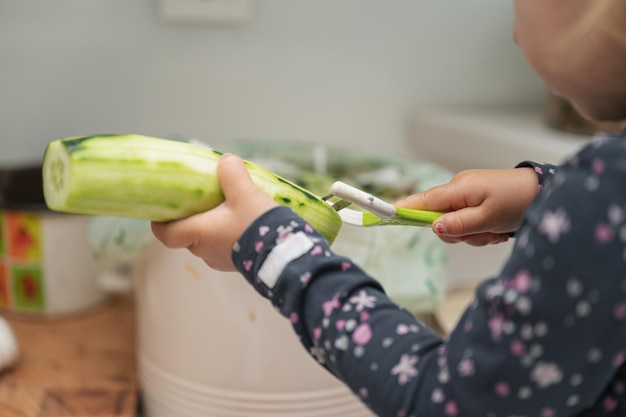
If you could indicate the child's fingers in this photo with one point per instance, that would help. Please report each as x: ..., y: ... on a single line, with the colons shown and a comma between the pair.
x: 179, y: 233
x: 467, y: 221
x: 483, y: 239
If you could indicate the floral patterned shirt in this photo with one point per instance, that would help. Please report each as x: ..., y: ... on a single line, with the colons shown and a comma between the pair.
x: 546, y: 337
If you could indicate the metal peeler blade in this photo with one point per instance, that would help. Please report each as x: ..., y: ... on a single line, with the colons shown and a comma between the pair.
x: 378, y: 211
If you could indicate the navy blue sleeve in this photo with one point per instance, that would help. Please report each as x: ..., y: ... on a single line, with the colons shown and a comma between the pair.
x: 545, y: 337
x: 544, y: 172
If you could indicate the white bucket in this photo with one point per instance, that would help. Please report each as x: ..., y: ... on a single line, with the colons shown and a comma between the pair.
x: 210, y: 346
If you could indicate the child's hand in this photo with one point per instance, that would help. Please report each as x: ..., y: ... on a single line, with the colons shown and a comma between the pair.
x: 212, y: 234
x: 484, y: 205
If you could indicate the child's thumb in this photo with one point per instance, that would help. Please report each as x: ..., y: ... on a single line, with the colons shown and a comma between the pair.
x: 234, y: 177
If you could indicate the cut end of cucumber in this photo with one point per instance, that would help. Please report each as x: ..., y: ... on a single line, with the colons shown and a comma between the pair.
x: 56, y: 176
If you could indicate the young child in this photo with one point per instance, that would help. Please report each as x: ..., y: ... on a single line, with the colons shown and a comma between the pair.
x: 546, y: 337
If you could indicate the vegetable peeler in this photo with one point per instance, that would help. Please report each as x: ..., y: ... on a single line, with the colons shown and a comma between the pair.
x: 379, y: 212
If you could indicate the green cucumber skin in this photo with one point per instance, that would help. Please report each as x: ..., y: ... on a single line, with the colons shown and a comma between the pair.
x: 161, y: 180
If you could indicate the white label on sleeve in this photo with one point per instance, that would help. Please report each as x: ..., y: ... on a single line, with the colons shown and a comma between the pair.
x: 292, y: 247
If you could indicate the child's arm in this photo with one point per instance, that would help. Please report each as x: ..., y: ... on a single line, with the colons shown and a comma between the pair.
x: 544, y: 338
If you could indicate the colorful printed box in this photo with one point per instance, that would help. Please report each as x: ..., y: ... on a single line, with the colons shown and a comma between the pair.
x: 21, y: 274
x: 23, y: 236
x: 27, y: 286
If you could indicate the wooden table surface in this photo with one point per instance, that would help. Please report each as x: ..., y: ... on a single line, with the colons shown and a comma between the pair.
x: 81, y: 366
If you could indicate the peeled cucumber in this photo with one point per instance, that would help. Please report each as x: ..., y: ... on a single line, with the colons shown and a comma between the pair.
x: 157, y: 179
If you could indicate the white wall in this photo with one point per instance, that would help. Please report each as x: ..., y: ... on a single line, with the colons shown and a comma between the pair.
x: 347, y: 72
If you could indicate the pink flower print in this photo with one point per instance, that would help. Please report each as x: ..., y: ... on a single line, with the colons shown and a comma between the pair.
x: 610, y: 403
x: 364, y: 316
x: 546, y: 374
x: 405, y: 369
x: 496, y: 325
x: 522, y: 281
x: 317, y: 333
x: 258, y: 246
x: 597, y: 166
x: 308, y: 228
x: 401, y: 413
x: 538, y: 170
x: 247, y: 265
x: 362, y: 334
x: 466, y: 367
x: 363, y: 393
x: 293, y: 317
x: 345, y: 265
x: 502, y: 389
x: 618, y: 360
x: 305, y: 279
x: 548, y: 412
x: 451, y: 409
x: 517, y: 348
x: 437, y: 396
x: 363, y: 300
x: 619, y: 311
x: 263, y: 230
x: 340, y: 325
x: 330, y: 305
x: 402, y: 329
x: 317, y: 249
x: 604, y: 233
x: 554, y: 224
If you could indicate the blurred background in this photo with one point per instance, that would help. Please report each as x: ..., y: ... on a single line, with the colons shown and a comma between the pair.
x: 436, y: 82
x: 350, y: 72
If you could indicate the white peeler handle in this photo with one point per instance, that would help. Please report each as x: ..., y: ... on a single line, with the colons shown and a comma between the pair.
x: 363, y: 199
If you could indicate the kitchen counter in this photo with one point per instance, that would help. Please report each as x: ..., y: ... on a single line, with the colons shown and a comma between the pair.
x: 80, y: 366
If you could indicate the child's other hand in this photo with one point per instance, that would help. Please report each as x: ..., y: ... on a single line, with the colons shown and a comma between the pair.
x: 212, y: 234
x: 482, y: 206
